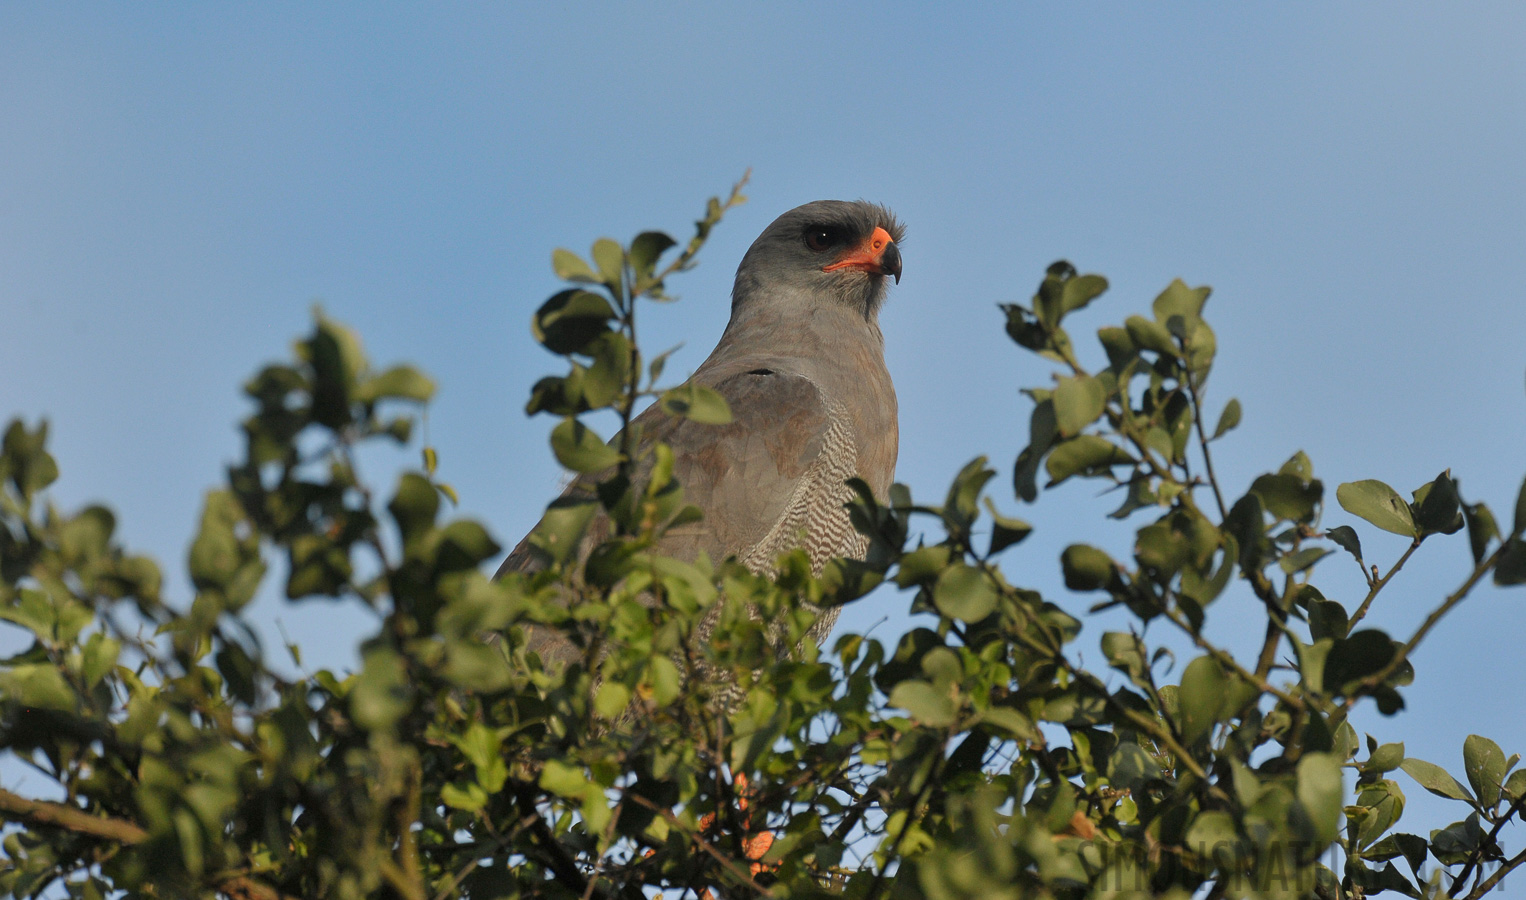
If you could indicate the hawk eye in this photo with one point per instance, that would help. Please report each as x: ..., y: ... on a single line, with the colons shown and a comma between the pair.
x: 819, y: 239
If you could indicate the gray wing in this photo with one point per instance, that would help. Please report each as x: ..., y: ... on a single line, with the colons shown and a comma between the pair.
x: 768, y: 482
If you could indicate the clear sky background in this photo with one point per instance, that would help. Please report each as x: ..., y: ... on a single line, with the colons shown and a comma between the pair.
x: 179, y: 184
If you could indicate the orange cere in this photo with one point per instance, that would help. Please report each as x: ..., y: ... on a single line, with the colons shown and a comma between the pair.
x: 866, y: 255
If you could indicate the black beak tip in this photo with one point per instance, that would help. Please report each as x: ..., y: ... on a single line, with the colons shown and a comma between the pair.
x: 891, y: 261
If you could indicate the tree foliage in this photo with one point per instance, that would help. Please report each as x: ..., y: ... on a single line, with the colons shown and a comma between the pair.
x: 977, y: 757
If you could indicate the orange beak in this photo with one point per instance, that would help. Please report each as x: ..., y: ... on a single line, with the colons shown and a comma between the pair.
x: 878, y: 254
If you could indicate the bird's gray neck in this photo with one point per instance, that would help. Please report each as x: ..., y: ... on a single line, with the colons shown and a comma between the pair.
x: 813, y: 335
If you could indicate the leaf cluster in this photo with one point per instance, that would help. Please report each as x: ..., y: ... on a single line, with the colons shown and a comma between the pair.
x: 974, y: 756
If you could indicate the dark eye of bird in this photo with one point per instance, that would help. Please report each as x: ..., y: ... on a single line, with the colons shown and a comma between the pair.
x: 819, y: 239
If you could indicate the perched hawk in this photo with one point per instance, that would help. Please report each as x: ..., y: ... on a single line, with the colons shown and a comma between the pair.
x: 802, y: 366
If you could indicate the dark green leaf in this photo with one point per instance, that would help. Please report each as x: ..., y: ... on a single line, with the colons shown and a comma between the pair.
x: 1356, y: 657
x: 570, y: 320
x: 1345, y: 536
x: 647, y: 247
x: 1327, y: 619
x: 1436, y: 506
x: 1086, y: 568
x: 1520, y: 512
x: 1005, y: 530
x: 1511, y: 568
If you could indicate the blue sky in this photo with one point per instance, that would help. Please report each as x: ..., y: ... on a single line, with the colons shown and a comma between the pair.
x: 179, y: 184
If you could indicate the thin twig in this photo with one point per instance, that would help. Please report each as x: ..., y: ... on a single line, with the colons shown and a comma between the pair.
x: 58, y: 815
x: 1377, y: 585
x: 1488, y: 884
x: 1379, y: 677
x: 1202, y: 436
x: 1491, y: 841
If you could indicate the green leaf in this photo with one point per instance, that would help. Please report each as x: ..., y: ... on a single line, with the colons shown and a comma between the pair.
x: 1081, y: 290
x: 99, y: 656
x: 1511, y: 567
x: 1179, y: 300
x: 1290, y: 497
x: 568, y: 266
x: 464, y: 544
x: 1201, y: 696
x: 1124, y: 652
x: 1087, y: 568
x: 609, y: 257
x: 1228, y: 419
x: 1084, y: 454
x: 925, y: 703
x: 1385, y: 759
x: 612, y: 699
x: 1484, y: 762
x: 1437, y: 506
x: 1327, y: 619
x: 1435, y: 779
x: 1297, y: 562
x: 467, y: 796
x: 1005, y: 530
x: 697, y: 403
x: 1520, y: 512
x: 1481, y: 529
x: 1355, y: 658
x: 1377, y: 503
x: 414, y: 506
x: 397, y: 383
x: 1011, y: 721
x: 1148, y: 335
x: 382, y: 694
x: 1214, y: 831
x: 645, y: 250
x: 1515, y: 785
x: 964, y: 593
x: 1345, y: 536
x: 664, y: 678
x: 578, y: 448
x: 1078, y: 402
x: 41, y: 686
x: 564, y: 780
x: 570, y: 320
x: 1320, y: 793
